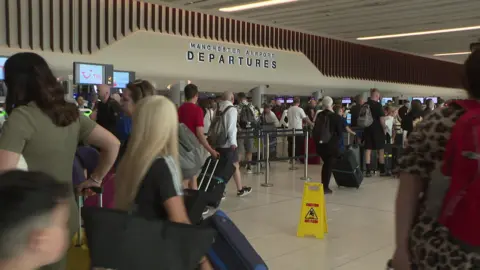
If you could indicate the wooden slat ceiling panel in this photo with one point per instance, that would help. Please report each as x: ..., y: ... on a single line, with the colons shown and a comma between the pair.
x: 349, y: 19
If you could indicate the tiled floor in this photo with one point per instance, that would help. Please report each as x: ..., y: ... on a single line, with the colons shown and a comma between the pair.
x: 361, y: 222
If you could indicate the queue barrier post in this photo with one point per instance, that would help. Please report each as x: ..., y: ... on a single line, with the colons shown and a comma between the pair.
x: 293, y: 168
x: 305, y: 167
x: 259, y: 151
x: 267, y: 164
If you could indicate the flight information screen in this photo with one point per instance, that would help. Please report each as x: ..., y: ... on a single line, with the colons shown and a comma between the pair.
x: 89, y: 73
x: 421, y: 99
x: 3, y: 59
x: 346, y: 100
x: 121, y: 79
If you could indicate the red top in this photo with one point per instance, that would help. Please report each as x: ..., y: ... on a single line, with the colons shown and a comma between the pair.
x: 191, y: 115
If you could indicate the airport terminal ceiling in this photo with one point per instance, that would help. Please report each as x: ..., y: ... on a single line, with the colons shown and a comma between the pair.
x: 351, y: 19
x: 212, y: 56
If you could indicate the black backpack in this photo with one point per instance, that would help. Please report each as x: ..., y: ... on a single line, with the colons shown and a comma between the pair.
x: 247, y: 117
x: 322, y: 132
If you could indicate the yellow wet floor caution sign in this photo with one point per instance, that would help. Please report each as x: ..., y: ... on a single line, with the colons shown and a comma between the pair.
x: 313, y: 217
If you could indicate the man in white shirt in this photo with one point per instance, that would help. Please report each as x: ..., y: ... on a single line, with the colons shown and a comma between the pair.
x: 296, y: 116
x: 229, y: 150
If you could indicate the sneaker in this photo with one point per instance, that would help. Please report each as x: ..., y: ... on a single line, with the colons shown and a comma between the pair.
x: 244, y: 191
x: 205, y: 211
x: 249, y: 169
x: 368, y: 174
x: 224, y: 196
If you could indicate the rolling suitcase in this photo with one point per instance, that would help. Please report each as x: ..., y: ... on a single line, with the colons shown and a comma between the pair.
x: 346, y: 170
x: 218, y: 176
x: 388, y: 155
x: 231, y: 249
x: 197, y: 200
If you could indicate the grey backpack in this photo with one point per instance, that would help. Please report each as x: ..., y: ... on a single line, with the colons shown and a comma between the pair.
x: 217, y: 134
x: 365, y: 118
x: 191, y: 152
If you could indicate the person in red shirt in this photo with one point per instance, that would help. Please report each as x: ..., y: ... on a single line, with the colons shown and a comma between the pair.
x: 191, y: 115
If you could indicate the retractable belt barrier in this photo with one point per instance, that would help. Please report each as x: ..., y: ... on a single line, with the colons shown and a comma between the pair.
x: 265, y: 137
x: 263, y: 154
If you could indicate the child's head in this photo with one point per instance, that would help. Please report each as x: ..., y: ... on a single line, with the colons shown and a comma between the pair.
x: 392, y: 110
x: 34, y: 214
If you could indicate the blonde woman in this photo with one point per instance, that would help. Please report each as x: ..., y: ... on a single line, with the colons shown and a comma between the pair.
x: 148, y: 177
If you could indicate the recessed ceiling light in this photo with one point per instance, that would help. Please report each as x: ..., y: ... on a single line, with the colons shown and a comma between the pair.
x: 449, y: 54
x: 255, y: 5
x: 422, y: 33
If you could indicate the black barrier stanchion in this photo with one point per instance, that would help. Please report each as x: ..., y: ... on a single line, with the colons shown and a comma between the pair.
x: 267, y: 163
x: 292, y: 167
x: 305, y: 167
x: 259, y: 151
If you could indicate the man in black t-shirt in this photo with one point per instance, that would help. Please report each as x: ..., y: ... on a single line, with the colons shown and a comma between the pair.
x: 402, y: 112
x: 374, y: 135
x: 108, y: 109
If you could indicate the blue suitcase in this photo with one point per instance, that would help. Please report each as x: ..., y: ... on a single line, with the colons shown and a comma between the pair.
x: 231, y: 250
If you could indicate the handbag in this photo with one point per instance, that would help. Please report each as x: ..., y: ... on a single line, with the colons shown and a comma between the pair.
x: 124, y: 241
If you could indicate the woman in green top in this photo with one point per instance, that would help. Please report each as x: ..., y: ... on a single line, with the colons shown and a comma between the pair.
x: 46, y: 129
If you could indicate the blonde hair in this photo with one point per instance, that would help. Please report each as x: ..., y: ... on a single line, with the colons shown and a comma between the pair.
x: 154, y: 134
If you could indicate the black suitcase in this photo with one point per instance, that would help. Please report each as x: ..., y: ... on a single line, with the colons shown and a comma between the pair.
x: 346, y: 170
x: 216, y: 178
x: 388, y: 155
x: 197, y: 200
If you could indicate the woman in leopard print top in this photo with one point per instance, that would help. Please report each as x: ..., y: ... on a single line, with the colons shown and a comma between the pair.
x: 421, y: 240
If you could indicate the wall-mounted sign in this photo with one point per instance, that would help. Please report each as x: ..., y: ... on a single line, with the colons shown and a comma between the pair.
x: 219, y: 54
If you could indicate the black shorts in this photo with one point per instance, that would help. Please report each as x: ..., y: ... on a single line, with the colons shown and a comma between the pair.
x: 231, y: 155
x: 374, y: 139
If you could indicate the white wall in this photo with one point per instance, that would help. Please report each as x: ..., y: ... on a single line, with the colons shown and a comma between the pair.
x: 162, y: 58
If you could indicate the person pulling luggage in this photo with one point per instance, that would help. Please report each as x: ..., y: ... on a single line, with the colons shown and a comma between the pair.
x: 327, y: 132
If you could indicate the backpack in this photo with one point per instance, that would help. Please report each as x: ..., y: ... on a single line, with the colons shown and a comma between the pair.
x: 191, y: 153
x: 247, y: 117
x: 217, y: 134
x: 365, y: 118
x: 460, y: 211
x: 322, y: 132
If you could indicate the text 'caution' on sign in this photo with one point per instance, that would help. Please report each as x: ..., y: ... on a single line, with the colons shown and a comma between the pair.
x: 313, y: 217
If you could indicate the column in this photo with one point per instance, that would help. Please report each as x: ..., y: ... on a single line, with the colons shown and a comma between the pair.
x: 317, y: 95
x: 176, y: 92
x: 257, y: 95
x: 68, y: 85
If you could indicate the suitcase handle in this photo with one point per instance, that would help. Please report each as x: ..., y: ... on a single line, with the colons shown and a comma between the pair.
x: 206, y: 171
x: 98, y: 190
x: 81, y: 198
